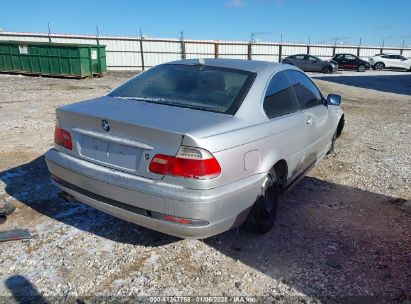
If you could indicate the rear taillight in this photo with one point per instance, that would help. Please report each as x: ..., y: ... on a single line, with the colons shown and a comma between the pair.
x: 63, y: 138
x: 189, y: 162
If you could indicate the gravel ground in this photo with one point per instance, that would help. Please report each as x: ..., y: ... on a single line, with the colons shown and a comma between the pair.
x: 343, y: 231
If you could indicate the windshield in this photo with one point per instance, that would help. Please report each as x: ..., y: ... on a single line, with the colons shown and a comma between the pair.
x: 192, y: 86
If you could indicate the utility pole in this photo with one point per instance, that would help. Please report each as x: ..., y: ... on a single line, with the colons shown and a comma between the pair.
x: 141, y: 50
x: 97, y: 36
x: 309, y: 43
x: 183, y: 46
x: 48, y: 25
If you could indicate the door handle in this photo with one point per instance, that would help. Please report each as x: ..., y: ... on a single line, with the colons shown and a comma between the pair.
x: 309, y: 121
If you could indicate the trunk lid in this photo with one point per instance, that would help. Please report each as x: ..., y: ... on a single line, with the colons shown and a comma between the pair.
x: 126, y: 134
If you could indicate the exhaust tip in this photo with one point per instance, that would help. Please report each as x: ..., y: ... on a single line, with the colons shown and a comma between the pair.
x: 67, y: 197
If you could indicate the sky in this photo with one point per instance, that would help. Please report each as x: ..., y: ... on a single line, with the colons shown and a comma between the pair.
x: 320, y: 21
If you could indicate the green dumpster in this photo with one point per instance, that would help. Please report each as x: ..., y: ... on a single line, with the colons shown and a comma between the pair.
x: 52, y: 59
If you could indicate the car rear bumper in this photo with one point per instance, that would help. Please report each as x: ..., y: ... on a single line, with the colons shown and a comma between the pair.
x: 145, y: 202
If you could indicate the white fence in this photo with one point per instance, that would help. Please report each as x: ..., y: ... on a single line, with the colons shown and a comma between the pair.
x: 133, y: 53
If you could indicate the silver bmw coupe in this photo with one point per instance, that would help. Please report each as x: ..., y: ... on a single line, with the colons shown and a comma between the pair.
x: 193, y: 148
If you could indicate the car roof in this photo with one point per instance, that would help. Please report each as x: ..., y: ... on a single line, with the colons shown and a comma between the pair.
x: 240, y: 64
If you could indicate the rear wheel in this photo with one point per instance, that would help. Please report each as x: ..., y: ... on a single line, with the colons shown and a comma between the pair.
x: 379, y: 66
x: 327, y: 69
x: 263, y: 213
x: 361, y: 68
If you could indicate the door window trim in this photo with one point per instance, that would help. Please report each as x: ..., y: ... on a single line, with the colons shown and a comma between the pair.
x: 292, y: 92
x: 324, y: 101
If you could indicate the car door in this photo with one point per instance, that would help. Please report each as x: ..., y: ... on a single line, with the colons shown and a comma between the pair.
x: 405, y: 63
x: 389, y: 61
x: 401, y: 62
x: 351, y: 62
x: 317, y: 118
x: 287, y: 124
x: 340, y: 59
x: 300, y: 62
x: 316, y: 65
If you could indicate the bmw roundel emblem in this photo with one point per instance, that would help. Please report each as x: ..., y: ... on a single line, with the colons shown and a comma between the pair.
x: 105, y: 125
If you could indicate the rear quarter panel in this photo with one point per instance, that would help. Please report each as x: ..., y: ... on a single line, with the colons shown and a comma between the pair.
x: 249, y: 151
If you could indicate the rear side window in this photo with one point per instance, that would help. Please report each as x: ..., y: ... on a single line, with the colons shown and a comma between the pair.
x: 279, y: 99
x: 307, y: 93
x: 199, y: 87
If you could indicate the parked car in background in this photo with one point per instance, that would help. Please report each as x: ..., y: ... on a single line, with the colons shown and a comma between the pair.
x: 193, y: 148
x: 310, y: 63
x: 395, y: 61
x: 351, y: 62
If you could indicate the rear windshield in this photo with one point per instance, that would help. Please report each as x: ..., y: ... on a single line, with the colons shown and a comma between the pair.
x: 192, y: 86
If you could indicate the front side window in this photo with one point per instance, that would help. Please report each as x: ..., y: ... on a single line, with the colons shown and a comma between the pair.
x: 279, y: 99
x: 350, y: 57
x: 312, y: 59
x: 307, y: 93
x: 398, y: 57
x: 199, y: 87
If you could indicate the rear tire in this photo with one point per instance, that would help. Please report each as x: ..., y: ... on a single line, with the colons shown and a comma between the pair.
x: 362, y: 68
x: 264, y: 211
x: 379, y: 66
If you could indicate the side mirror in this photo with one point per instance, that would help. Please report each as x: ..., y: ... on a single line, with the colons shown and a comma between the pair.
x: 333, y: 100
